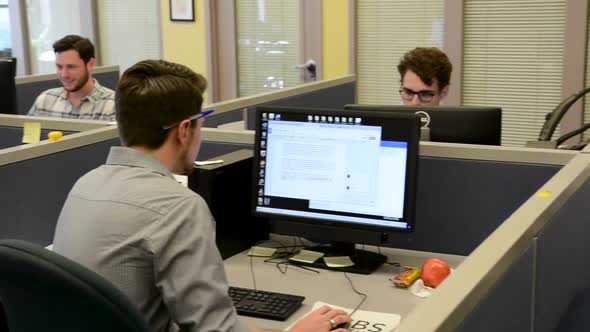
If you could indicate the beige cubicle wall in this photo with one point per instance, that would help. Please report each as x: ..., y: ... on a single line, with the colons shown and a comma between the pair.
x: 10, y: 120
x: 261, y: 98
x: 236, y: 113
x: 48, y: 77
x: 486, y: 270
x: 11, y: 128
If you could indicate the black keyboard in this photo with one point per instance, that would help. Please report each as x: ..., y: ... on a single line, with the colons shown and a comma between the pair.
x: 263, y: 304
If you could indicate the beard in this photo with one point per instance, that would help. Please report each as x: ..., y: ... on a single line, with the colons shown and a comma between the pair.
x: 82, y: 82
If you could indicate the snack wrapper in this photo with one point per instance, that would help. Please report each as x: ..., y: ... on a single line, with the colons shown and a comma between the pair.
x: 406, y: 278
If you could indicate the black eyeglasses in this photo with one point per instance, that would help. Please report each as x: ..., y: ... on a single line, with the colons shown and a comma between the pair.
x: 425, y: 96
x: 194, y: 117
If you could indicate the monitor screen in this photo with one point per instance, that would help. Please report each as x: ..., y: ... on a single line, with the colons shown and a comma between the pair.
x: 347, y: 170
x: 7, y: 86
x: 453, y: 124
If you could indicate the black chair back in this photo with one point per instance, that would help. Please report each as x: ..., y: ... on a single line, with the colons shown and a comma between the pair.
x: 44, y: 291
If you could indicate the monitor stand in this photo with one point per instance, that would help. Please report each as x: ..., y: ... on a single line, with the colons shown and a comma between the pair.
x: 365, y: 262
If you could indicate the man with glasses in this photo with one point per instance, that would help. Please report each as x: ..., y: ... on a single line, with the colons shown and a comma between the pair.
x: 131, y: 222
x: 425, y: 74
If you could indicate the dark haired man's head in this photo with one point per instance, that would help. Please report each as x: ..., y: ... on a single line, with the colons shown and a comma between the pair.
x: 79, y: 44
x: 74, y: 61
x: 425, y: 74
x: 153, y: 94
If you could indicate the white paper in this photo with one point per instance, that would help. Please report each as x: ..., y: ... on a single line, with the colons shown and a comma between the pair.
x: 338, y: 261
x: 261, y: 251
x: 364, y: 321
x: 420, y: 290
x: 208, y: 162
x: 182, y: 179
x: 307, y: 256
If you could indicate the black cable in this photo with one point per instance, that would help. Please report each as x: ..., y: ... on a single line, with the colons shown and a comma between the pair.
x: 279, y: 255
x: 572, y: 134
x: 363, y: 295
x: 555, y: 116
x: 252, y: 261
x: 252, y: 272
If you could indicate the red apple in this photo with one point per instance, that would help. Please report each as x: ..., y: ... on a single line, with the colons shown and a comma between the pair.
x: 434, y: 271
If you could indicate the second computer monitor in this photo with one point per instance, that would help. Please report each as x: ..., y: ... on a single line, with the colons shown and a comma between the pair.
x: 453, y: 124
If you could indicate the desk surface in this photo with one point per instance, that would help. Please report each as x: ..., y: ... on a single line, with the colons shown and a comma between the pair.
x: 332, y: 287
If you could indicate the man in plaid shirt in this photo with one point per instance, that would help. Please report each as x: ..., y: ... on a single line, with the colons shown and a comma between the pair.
x: 81, y: 96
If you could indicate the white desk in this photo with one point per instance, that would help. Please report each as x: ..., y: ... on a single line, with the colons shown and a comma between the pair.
x: 332, y: 287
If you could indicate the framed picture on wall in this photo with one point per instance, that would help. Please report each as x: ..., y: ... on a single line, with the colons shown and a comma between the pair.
x: 182, y: 10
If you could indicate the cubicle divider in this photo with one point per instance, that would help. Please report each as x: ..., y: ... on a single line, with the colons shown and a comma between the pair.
x: 464, y: 193
x: 36, y: 178
x: 40, y: 175
x: 333, y: 93
x: 29, y: 87
x: 522, y: 276
x: 12, y: 127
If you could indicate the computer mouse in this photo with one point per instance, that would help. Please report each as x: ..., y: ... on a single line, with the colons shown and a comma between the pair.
x: 342, y: 326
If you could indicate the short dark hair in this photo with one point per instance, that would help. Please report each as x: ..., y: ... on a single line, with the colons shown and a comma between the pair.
x: 428, y: 63
x: 82, y: 45
x: 152, y: 94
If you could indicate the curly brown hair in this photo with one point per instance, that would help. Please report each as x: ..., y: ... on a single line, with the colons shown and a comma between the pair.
x: 428, y: 63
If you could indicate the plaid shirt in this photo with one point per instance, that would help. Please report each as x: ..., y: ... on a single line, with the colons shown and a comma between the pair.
x: 99, y: 104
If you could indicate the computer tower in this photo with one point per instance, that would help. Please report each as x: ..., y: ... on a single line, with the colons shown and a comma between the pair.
x: 8, y: 103
x: 226, y: 187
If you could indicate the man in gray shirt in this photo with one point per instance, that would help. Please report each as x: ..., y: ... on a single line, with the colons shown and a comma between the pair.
x: 131, y: 222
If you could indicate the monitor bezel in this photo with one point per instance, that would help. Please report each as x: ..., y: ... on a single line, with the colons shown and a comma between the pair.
x: 411, y: 171
x: 460, y: 131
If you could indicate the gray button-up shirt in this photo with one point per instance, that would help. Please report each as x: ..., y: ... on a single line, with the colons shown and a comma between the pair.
x: 131, y: 222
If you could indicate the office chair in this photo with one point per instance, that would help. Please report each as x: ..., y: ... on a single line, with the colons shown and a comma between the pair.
x: 44, y: 291
x: 552, y: 120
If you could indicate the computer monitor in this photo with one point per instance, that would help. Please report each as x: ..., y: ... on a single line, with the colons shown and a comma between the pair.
x: 7, y: 86
x: 342, y: 177
x: 453, y: 124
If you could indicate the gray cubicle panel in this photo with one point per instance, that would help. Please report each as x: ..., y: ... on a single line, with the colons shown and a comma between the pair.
x: 522, y: 276
x: 461, y: 201
x: 29, y: 87
x: 11, y: 127
x: 36, y: 187
x: 217, y: 142
x: 36, y: 180
x: 334, y: 97
x: 333, y: 93
x: 464, y: 193
x: 563, y: 253
x: 211, y: 150
x: 12, y: 136
x: 509, y: 304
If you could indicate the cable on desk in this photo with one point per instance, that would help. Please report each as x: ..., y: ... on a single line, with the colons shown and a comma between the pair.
x: 363, y: 295
x: 252, y: 273
x: 280, y: 255
x: 252, y: 261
